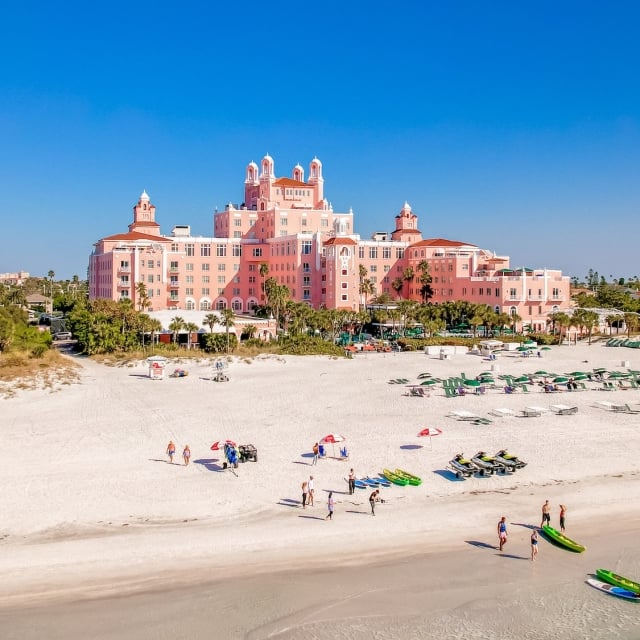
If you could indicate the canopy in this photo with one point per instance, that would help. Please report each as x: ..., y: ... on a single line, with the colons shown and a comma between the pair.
x: 332, y: 438
x: 219, y: 444
x: 471, y: 383
x: 430, y: 431
x: 522, y: 379
x: 561, y: 379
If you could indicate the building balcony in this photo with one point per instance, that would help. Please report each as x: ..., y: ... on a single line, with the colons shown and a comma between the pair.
x: 123, y: 284
x: 174, y: 270
x: 174, y: 284
x: 124, y: 269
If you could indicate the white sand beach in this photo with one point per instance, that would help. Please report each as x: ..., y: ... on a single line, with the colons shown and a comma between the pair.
x: 93, y: 510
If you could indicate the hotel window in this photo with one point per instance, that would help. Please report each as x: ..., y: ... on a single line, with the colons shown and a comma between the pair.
x: 386, y: 268
x: 236, y: 279
x: 205, y: 279
x: 252, y: 279
x: 252, y: 267
x: 306, y: 267
x: 361, y: 253
x: 513, y: 294
x: 374, y: 279
x: 256, y: 252
x: 151, y: 293
x: 306, y: 247
x: 190, y: 249
x: 373, y: 268
x: 158, y: 263
x: 205, y: 291
x: 306, y: 281
x: 344, y: 297
x: 304, y: 222
x: 236, y: 250
x: 220, y: 292
x: 465, y: 267
x: 385, y: 279
x: 205, y: 305
x: 344, y: 272
x: 283, y: 222
x: 205, y: 250
x: 237, y: 222
x: 205, y: 266
x: 497, y: 293
x: 399, y: 253
x: 450, y: 267
x: 386, y: 253
x: 221, y: 250
x: 150, y: 279
x: 344, y: 285
x: 222, y: 266
x: 149, y: 264
x: 174, y: 247
x: 481, y: 291
x: 252, y: 291
x: 189, y: 266
x: 236, y: 267
x: 157, y: 277
x: 373, y: 253
x: 157, y: 292
x: 306, y: 294
x: 324, y: 223
x: 555, y: 293
x: 188, y: 279
x: 221, y: 280
x: 189, y: 291
x: 237, y: 234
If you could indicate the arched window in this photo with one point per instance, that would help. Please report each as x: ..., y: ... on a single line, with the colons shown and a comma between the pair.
x: 513, y: 311
x: 221, y: 304
x: 236, y: 305
x: 190, y: 305
x: 205, y: 305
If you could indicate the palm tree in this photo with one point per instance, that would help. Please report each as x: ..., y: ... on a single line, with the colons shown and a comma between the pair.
x: 250, y: 331
x: 397, y: 285
x: 367, y: 288
x: 51, y: 275
x: 142, y: 296
x: 210, y: 320
x: 190, y: 328
x: 426, y: 291
x: 176, y: 326
x: 227, y: 321
x: 408, y: 275
x: 264, y: 272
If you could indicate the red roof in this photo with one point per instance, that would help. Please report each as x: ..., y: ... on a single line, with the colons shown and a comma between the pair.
x: 146, y: 223
x: 135, y: 235
x: 440, y: 242
x: 290, y: 182
x: 337, y: 240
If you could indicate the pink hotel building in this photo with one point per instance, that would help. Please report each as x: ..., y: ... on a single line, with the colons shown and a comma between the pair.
x: 288, y: 224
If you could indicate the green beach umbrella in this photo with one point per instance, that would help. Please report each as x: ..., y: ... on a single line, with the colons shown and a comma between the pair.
x: 428, y: 383
x: 541, y: 373
x: 545, y: 349
x: 561, y: 379
x: 522, y: 348
x: 471, y: 383
x: 522, y: 379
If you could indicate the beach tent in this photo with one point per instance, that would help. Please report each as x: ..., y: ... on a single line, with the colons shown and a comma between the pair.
x: 332, y: 439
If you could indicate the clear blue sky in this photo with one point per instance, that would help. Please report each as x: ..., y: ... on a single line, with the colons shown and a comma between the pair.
x: 514, y: 126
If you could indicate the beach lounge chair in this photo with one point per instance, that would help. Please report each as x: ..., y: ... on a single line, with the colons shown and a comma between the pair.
x: 417, y: 392
x: 610, y: 406
x: 464, y: 415
x: 450, y: 392
x: 563, y: 409
x: 482, y: 421
x: 502, y: 412
x: 533, y: 412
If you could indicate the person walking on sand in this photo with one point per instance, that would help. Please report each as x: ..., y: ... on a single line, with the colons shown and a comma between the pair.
x: 502, y: 532
x: 316, y: 450
x: 352, y: 482
x: 546, y: 514
x: 310, y: 488
x: 305, y: 489
x: 373, y: 498
x: 171, y: 451
x: 563, y: 513
x: 329, y: 515
x: 186, y: 455
x: 534, y: 545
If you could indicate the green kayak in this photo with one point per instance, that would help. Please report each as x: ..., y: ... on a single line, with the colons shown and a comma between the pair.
x: 413, y: 480
x: 617, y: 580
x: 395, y: 478
x: 561, y: 539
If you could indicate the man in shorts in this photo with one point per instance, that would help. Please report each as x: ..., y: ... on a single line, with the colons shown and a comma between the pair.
x: 546, y: 514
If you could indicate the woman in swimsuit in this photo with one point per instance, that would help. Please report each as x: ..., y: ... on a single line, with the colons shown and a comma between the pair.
x: 186, y: 454
x: 502, y: 531
x: 329, y: 515
x: 534, y: 545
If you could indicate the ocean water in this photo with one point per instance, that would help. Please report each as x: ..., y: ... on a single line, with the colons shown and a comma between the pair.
x: 471, y: 592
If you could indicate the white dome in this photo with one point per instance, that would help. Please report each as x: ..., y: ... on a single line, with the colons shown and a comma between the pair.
x: 144, y: 195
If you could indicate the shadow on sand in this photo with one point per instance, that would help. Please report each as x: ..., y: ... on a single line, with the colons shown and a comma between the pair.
x: 510, y: 556
x: 209, y: 464
x: 448, y: 475
x: 410, y: 447
x: 310, y: 517
x: 526, y: 526
x: 289, y: 502
x: 481, y: 545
